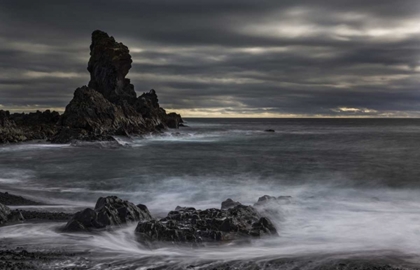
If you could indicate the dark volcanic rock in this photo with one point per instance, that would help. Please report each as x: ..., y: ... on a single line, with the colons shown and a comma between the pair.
x: 89, y: 116
x: 10, y: 199
x: 211, y: 225
x: 20, y: 127
x: 109, y: 211
x: 229, y: 203
x: 173, y: 120
x: 109, y: 105
x: 108, y: 65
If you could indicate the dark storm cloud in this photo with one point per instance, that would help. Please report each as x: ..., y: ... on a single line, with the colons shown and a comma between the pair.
x: 306, y: 58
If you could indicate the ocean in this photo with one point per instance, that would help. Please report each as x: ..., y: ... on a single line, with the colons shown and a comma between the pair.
x: 354, y: 183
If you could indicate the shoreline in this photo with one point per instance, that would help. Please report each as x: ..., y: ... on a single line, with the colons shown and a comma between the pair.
x: 15, y: 255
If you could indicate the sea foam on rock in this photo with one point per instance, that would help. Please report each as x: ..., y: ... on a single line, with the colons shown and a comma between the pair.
x: 108, y: 211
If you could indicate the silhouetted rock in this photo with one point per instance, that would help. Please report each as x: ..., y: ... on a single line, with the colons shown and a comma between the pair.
x: 173, y: 120
x: 211, y: 225
x: 109, y: 105
x: 108, y: 65
x: 109, y: 211
x: 269, y: 130
x: 229, y: 203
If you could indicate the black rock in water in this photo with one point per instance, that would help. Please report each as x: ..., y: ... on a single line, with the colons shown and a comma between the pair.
x: 269, y: 130
x: 212, y: 225
x: 109, y: 211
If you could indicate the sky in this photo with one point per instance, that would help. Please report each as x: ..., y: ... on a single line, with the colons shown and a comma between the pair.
x: 219, y: 58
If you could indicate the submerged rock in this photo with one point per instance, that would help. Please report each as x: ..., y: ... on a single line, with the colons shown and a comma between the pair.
x: 109, y: 211
x: 211, y: 225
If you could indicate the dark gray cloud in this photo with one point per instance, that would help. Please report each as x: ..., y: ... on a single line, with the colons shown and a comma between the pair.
x: 231, y: 58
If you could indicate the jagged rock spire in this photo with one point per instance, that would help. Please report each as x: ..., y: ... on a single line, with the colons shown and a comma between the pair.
x: 108, y: 65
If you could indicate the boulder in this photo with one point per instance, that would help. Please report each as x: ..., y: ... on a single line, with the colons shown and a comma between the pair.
x: 188, y: 225
x: 109, y: 211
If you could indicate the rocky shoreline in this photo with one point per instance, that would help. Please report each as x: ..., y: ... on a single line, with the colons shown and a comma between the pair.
x: 107, y: 106
x: 184, y: 225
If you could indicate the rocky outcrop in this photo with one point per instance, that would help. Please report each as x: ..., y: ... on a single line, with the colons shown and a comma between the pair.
x: 109, y: 105
x: 21, y: 127
x: 211, y: 225
x: 109, y: 211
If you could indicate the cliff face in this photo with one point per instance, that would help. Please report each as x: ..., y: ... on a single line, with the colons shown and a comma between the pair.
x: 107, y: 106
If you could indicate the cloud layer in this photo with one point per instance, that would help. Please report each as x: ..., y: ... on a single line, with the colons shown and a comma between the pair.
x: 223, y: 58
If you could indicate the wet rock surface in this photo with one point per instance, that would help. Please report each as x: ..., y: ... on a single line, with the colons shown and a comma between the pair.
x: 186, y: 224
x: 109, y: 211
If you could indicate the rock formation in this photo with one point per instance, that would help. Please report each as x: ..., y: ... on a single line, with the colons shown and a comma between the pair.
x: 20, y: 127
x: 109, y: 211
x: 107, y: 106
x: 211, y: 225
